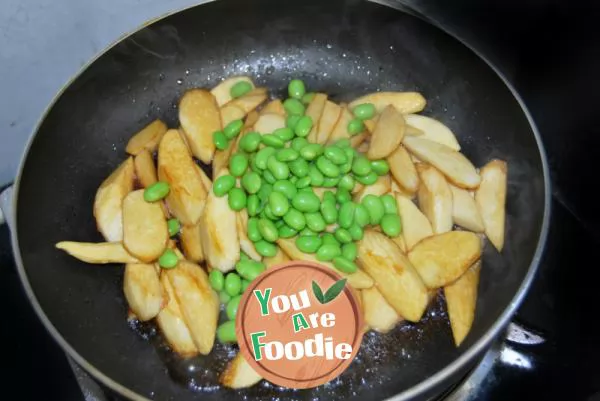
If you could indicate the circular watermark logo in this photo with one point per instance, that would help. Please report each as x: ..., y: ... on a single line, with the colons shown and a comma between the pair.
x: 299, y: 325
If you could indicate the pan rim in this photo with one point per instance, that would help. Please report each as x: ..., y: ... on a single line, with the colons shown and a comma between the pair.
x: 422, y: 387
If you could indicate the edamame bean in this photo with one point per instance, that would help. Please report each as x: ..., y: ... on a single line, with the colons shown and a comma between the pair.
x: 342, y: 235
x: 240, y: 89
x: 380, y: 167
x: 293, y: 106
x: 328, y: 251
x: 285, y: 134
x: 264, y: 191
x: 346, y: 215
x: 299, y: 168
x: 356, y: 232
x: 343, y: 143
x: 303, y: 126
x: 278, y: 203
x: 344, y: 265
x: 303, y: 182
x: 253, y: 205
x: 328, y: 196
x: 238, y: 164
x: 335, y: 155
x: 251, y: 269
x: 226, y: 332
x: 224, y: 297
x: 263, y: 156
x: 157, y: 191
x: 291, y: 121
x: 295, y: 219
x: 245, y: 284
x: 298, y: 143
x: 286, y: 231
x: 287, y: 155
x: 308, y: 243
x: 269, y: 177
x: 311, y: 151
x: 286, y: 188
x: 349, y: 152
x: 364, y: 111
x: 220, y: 140
x: 375, y: 208
x: 308, y: 97
x: 253, y: 232
x: 368, y: 179
x: 355, y: 126
x: 316, y: 177
x: 232, y: 129
x: 361, y: 166
x: 329, y: 239
x: 306, y: 202
x: 315, y: 222
x: 268, y: 230
x: 330, y: 182
x: 346, y: 182
x: 329, y: 212
x: 173, y: 226
x: 391, y: 224
x: 268, y: 213
x: 265, y: 249
x: 280, y: 170
x: 296, y: 89
x: 327, y: 167
x: 223, y: 185
x: 216, y: 280
x: 307, y: 231
x: 349, y: 251
x: 273, y: 141
x: 361, y: 215
x: 237, y: 199
x: 346, y: 167
x: 389, y: 204
x: 251, y: 182
x: 233, y: 284
x: 232, y: 307
x: 251, y: 141
x: 343, y: 196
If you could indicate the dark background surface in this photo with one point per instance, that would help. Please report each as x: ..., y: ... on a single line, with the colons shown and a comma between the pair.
x: 550, y: 51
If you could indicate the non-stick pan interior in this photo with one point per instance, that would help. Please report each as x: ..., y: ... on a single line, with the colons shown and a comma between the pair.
x: 342, y: 48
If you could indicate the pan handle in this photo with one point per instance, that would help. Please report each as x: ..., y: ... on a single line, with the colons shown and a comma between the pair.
x: 6, y: 207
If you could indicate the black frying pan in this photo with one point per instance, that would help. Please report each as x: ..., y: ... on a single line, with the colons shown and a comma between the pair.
x: 344, y: 48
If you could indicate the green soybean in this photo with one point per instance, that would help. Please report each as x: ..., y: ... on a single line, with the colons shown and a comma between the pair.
x: 344, y: 265
x: 251, y: 182
x: 249, y: 269
x: 346, y: 215
x: 311, y: 151
x: 253, y: 205
x: 280, y: 170
x: 327, y: 167
x: 346, y: 182
x: 330, y: 182
x: 296, y: 89
x: 268, y: 213
x: 389, y: 204
x: 251, y: 141
x: 278, y: 203
x: 285, y: 134
x: 343, y: 143
x: 335, y: 155
x: 232, y: 307
x: 224, y: 297
x: 240, y: 89
x: 245, y: 284
x: 264, y: 191
x: 299, y: 168
x: 286, y: 231
x: 361, y: 215
x: 349, y: 251
x: 356, y: 232
x: 303, y: 182
x: 374, y: 206
x: 342, y: 235
x: 265, y: 249
x: 329, y: 239
x: 272, y: 140
x: 253, y: 232
x: 238, y: 164
x: 286, y: 188
x: 233, y: 284
x: 361, y: 166
x: 315, y: 221
x: 328, y: 251
x: 232, y: 129
x: 368, y: 179
x: 173, y: 226
x: 346, y: 167
x: 291, y: 121
x: 329, y: 212
x: 391, y: 224
x: 263, y: 156
x: 308, y: 97
x: 328, y: 196
x: 380, y: 167
x: 220, y: 140
x: 293, y: 106
x: 298, y: 143
x: 226, y: 332
x: 237, y: 199
x: 295, y: 219
x: 364, y: 111
x: 268, y: 230
x: 269, y: 177
x: 316, y: 177
x: 216, y: 280
x: 306, y: 202
x: 223, y: 185
x: 287, y: 155
x: 157, y: 191
x: 355, y: 126
x: 308, y: 243
x: 303, y: 126
x: 343, y: 196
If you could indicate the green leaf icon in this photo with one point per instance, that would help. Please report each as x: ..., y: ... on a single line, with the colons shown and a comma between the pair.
x: 331, y: 293
x: 318, y: 292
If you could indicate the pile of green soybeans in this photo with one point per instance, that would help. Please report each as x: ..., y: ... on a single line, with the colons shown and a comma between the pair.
x: 277, y: 173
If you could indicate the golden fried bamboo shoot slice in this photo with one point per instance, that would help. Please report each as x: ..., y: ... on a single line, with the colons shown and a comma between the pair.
x: 199, y: 303
x: 394, y: 275
x: 250, y: 101
x: 382, y: 186
x: 340, y: 130
x: 435, y: 198
x: 314, y: 111
x: 239, y: 374
x: 145, y: 170
x: 246, y: 245
x: 330, y: 116
x: 280, y: 257
x: 172, y: 325
x: 143, y: 291
x: 433, y: 130
x: 269, y: 122
x: 443, y: 258
x: 145, y: 232
x: 398, y: 189
x: 403, y: 169
x: 191, y: 243
x: 206, y: 182
x: 410, y: 130
x: 357, y: 280
x: 231, y: 112
x: 415, y: 225
x: 491, y: 201
x: 378, y: 313
x: 399, y: 240
x: 454, y: 165
x: 274, y: 107
x: 464, y: 210
x: 388, y: 134
x: 200, y: 117
x: 108, y: 204
x: 97, y: 253
x: 176, y: 167
x: 404, y: 102
x: 147, y: 138
x: 222, y: 92
x: 461, y: 298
